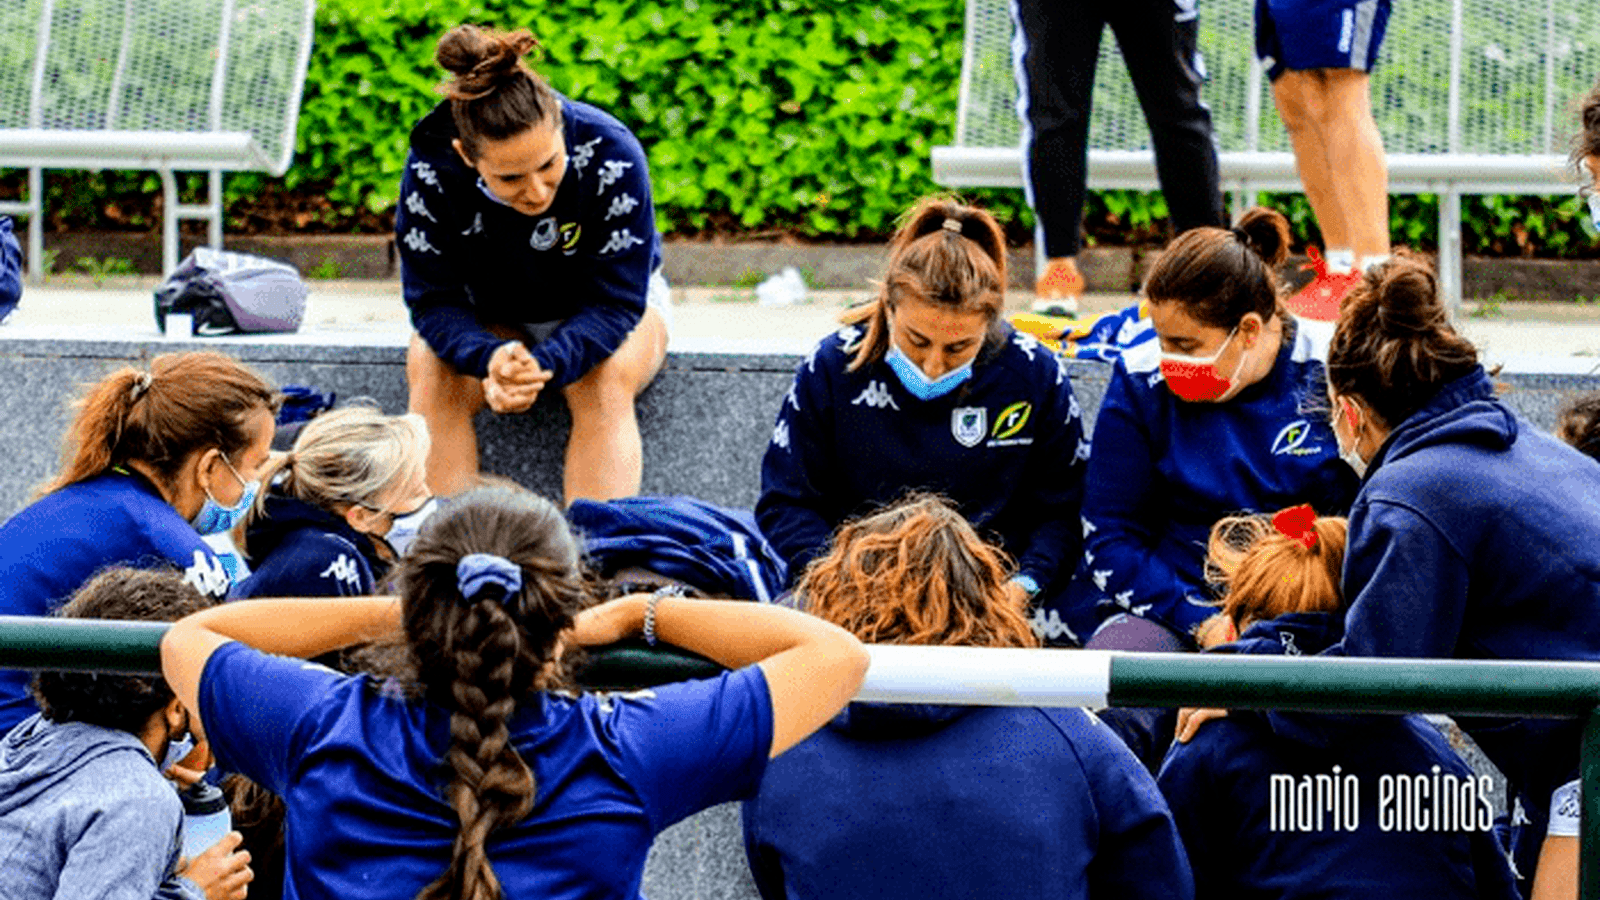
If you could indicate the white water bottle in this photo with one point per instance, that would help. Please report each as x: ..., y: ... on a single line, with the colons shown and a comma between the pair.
x: 206, y: 819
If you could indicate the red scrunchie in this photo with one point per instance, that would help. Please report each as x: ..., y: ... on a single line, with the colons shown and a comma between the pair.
x: 1298, y: 523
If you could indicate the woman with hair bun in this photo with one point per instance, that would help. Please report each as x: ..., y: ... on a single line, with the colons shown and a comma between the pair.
x: 472, y: 777
x: 927, y: 388
x: 1471, y: 535
x: 340, y: 507
x: 1243, y: 832
x: 153, y: 460
x: 926, y: 802
x: 530, y: 263
x: 1209, y: 420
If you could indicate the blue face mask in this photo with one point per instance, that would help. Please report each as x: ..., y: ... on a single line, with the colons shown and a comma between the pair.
x: 403, y: 533
x: 214, y: 518
x: 919, y: 384
x: 1594, y: 207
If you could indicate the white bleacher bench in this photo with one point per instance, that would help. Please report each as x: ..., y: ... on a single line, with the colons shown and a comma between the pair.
x: 169, y: 85
x: 1472, y: 97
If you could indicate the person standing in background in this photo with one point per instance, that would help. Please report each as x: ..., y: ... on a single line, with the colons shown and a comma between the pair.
x: 1055, y: 49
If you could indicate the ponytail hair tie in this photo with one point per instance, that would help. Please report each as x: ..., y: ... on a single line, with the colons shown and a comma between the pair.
x: 1298, y: 523
x: 477, y: 571
x: 952, y: 225
x: 140, y: 385
x: 1240, y: 235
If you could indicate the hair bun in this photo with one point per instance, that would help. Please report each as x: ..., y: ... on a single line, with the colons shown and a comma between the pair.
x: 1407, y: 298
x: 481, y: 59
x: 1265, y: 232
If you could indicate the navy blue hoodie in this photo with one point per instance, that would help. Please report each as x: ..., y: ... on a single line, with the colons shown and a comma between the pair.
x: 467, y: 260
x: 1220, y: 786
x: 301, y: 550
x: 891, y: 801
x: 1473, y: 537
x: 1165, y: 470
x: 1007, y: 447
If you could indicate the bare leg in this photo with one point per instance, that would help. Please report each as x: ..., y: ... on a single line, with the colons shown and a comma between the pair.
x: 1328, y: 113
x: 605, y: 456
x: 447, y: 400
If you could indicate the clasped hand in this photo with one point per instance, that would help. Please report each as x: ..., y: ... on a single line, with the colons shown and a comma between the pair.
x: 515, y: 378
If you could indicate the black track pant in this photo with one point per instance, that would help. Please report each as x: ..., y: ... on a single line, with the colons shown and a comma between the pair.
x: 1060, y: 46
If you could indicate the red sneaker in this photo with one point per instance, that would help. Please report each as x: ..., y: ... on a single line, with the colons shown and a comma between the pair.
x: 1320, y: 299
x: 1056, y: 291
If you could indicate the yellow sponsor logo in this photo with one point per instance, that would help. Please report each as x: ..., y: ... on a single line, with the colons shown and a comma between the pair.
x: 1012, y: 420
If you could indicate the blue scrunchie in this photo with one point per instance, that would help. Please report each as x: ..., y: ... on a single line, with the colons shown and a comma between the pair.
x: 476, y: 571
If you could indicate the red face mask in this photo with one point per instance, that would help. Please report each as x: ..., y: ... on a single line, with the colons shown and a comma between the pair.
x: 1195, y: 378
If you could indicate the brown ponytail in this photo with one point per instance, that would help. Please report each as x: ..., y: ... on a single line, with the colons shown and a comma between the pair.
x: 960, y: 266
x: 493, y: 94
x: 478, y: 656
x: 1394, y: 347
x: 1220, y: 274
x: 186, y: 402
x: 1269, y: 574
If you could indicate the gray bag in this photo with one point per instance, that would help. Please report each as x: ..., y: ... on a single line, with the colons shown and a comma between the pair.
x: 232, y: 293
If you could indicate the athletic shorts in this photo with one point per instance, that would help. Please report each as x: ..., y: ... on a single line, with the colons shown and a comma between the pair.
x: 657, y: 296
x: 1296, y: 35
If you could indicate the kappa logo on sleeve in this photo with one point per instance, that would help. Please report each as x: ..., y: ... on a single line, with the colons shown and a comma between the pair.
x: 344, y: 569
x: 207, y: 575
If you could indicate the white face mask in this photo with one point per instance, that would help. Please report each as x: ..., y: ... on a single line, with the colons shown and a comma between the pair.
x: 1352, y: 456
x: 1594, y: 207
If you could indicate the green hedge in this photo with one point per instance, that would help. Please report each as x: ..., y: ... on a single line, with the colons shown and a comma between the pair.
x: 804, y: 116
x: 808, y: 117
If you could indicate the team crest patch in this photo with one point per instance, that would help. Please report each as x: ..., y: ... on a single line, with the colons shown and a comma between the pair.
x: 968, y: 424
x: 545, y: 234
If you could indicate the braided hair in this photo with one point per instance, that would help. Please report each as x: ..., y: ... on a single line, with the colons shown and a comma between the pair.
x: 488, y: 587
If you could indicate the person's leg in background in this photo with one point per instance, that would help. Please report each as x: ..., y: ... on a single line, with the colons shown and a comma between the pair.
x: 1319, y: 54
x: 1055, y: 49
x: 1159, y: 43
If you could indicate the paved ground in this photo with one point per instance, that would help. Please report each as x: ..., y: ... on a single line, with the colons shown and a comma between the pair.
x: 1527, y: 337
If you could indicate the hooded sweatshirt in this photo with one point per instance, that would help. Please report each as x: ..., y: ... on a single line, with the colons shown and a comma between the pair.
x: 301, y: 550
x: 467, y: 259
x: 1227, y: 783
x: 1164, y: 470
x: 925, y: 802
x: 55, y: 544
x: 85, y: 814
x: 1473, y: 537
x: 1007, y: 447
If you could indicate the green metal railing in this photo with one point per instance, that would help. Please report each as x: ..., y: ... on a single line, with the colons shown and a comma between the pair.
x: 1038, y: 678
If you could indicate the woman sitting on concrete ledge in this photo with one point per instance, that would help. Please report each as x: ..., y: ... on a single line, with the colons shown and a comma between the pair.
x: 530, y: 263
x: 927, y: 388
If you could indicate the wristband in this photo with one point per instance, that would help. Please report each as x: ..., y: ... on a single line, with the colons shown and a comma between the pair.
x: 666, y: 590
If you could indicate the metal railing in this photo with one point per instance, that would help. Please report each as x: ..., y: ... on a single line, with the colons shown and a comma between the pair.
x: 987, y: 677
